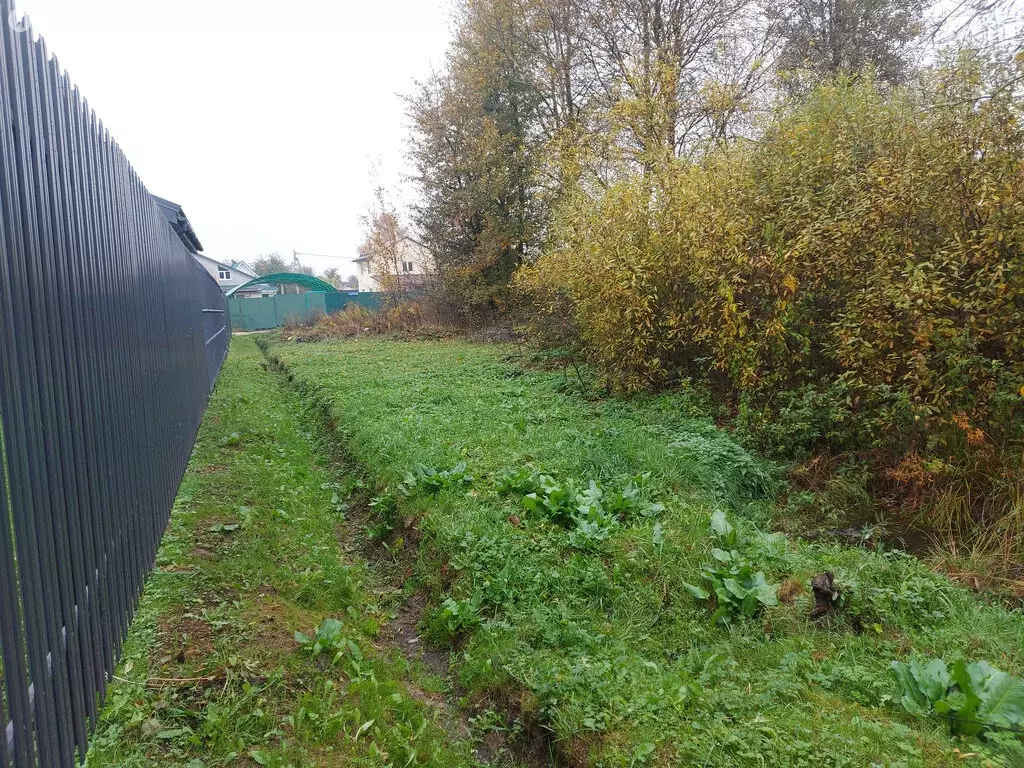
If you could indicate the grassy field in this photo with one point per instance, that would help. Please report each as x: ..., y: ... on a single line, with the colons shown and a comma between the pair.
x: 565, y: 545
x: 212, y: 674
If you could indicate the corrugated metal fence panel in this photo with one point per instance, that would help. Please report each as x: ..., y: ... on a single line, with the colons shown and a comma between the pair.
x: 371, y: 301
x: 253, y: 314
x: 111, y: 337
x: 300, y: 308
x: 275, y: 311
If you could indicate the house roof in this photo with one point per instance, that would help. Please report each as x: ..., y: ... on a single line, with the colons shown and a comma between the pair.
x: 241, y: 266
x: 179, y: 222
x: 214, y: 261
x: 237, y: 266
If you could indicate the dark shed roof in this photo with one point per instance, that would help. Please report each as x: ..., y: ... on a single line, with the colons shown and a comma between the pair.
x: 180, y: 223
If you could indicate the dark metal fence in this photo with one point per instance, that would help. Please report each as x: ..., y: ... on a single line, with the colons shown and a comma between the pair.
x: 111, y: 337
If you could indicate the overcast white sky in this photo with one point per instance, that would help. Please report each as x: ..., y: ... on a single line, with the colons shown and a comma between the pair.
x: 263, y: 119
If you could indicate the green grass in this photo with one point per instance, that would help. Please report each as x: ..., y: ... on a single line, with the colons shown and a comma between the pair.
x: 212, y: 675
x: 600, y: 637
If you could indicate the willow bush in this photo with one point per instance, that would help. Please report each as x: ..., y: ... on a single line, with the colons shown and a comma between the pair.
x: 859, y: 262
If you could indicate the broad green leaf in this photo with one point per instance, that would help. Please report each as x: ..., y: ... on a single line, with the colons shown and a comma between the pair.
x: 980, y: 673
x: 532, y: 502
x: 720, y: 524
x: 969, y: 686
x: 932, y: 678
x: 654, y: 510
x: 736, y: 588
x: 749, y: 605
x: 363, y: 729
x: 721, y: 616
x: 914, y: 701
x: 721, y: 555
x: 329, y: 630
x: 912, y: 705
x: 698, y: 592
x: 956, y: 702
x: 1002, y: 701
x: 767, y: 594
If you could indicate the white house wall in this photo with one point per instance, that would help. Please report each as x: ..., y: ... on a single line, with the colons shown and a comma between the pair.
x: 236, y: 279
x: 422, y: 264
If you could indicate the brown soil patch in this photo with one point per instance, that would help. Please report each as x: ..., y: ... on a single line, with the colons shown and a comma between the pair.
x: 402, y: 634
x: 211, y: 541
x: 184, y: 640
x: 214, y: 469
x: 790, y: 591
x: 273, y: 637
x: 576, y: 753
x: 533, y: 748
x: 526, y: 741
x: 185, y: 569
x: 206, y: 523
x: 529, y: 747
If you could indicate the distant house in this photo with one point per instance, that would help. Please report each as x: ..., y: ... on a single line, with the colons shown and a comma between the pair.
x: 229, y: 275
x: 410, y: 269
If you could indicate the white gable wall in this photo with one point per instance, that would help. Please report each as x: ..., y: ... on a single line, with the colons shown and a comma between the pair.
x: 415, y: 261
x: 226, y: 276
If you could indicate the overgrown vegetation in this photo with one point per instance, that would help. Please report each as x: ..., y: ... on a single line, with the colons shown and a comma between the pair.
x: 738, y: 591
x: 861, y: 262
x: 813, y: 211
x: 572, y: 574
x: 850, y: 282
x: 407, y: 318
x: 972, y: 697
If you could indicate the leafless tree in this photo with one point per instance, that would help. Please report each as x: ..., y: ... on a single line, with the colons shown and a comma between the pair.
x: 829, y: 37
x: 383, y: 246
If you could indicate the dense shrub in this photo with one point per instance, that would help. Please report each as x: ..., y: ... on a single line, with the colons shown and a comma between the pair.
x: 406, y: 318
x: 862, y: 256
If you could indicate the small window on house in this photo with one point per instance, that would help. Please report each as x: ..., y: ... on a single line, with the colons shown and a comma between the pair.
x: 223, y: 274
x: 407, y: 266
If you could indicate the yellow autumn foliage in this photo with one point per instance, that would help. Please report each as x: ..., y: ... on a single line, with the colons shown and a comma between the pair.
x: 866, y: 248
